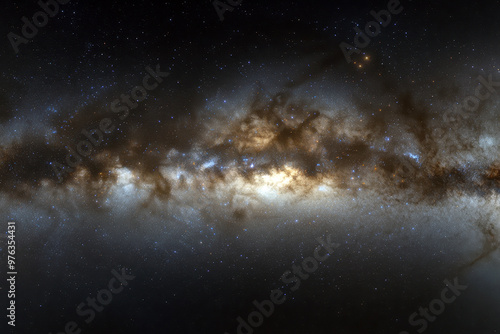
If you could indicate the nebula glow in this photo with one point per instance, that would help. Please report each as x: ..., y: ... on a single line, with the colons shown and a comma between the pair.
x: 262, y: 139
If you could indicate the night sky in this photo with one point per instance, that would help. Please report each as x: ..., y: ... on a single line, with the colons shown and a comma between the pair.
x: 339, y: 157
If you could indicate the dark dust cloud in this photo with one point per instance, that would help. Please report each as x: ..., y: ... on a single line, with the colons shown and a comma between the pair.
x: 258, y: 138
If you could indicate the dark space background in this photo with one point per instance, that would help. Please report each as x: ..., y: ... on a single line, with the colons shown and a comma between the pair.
x: 261, y: 139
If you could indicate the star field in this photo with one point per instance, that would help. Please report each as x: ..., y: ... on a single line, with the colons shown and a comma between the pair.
x: 259, y: 138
